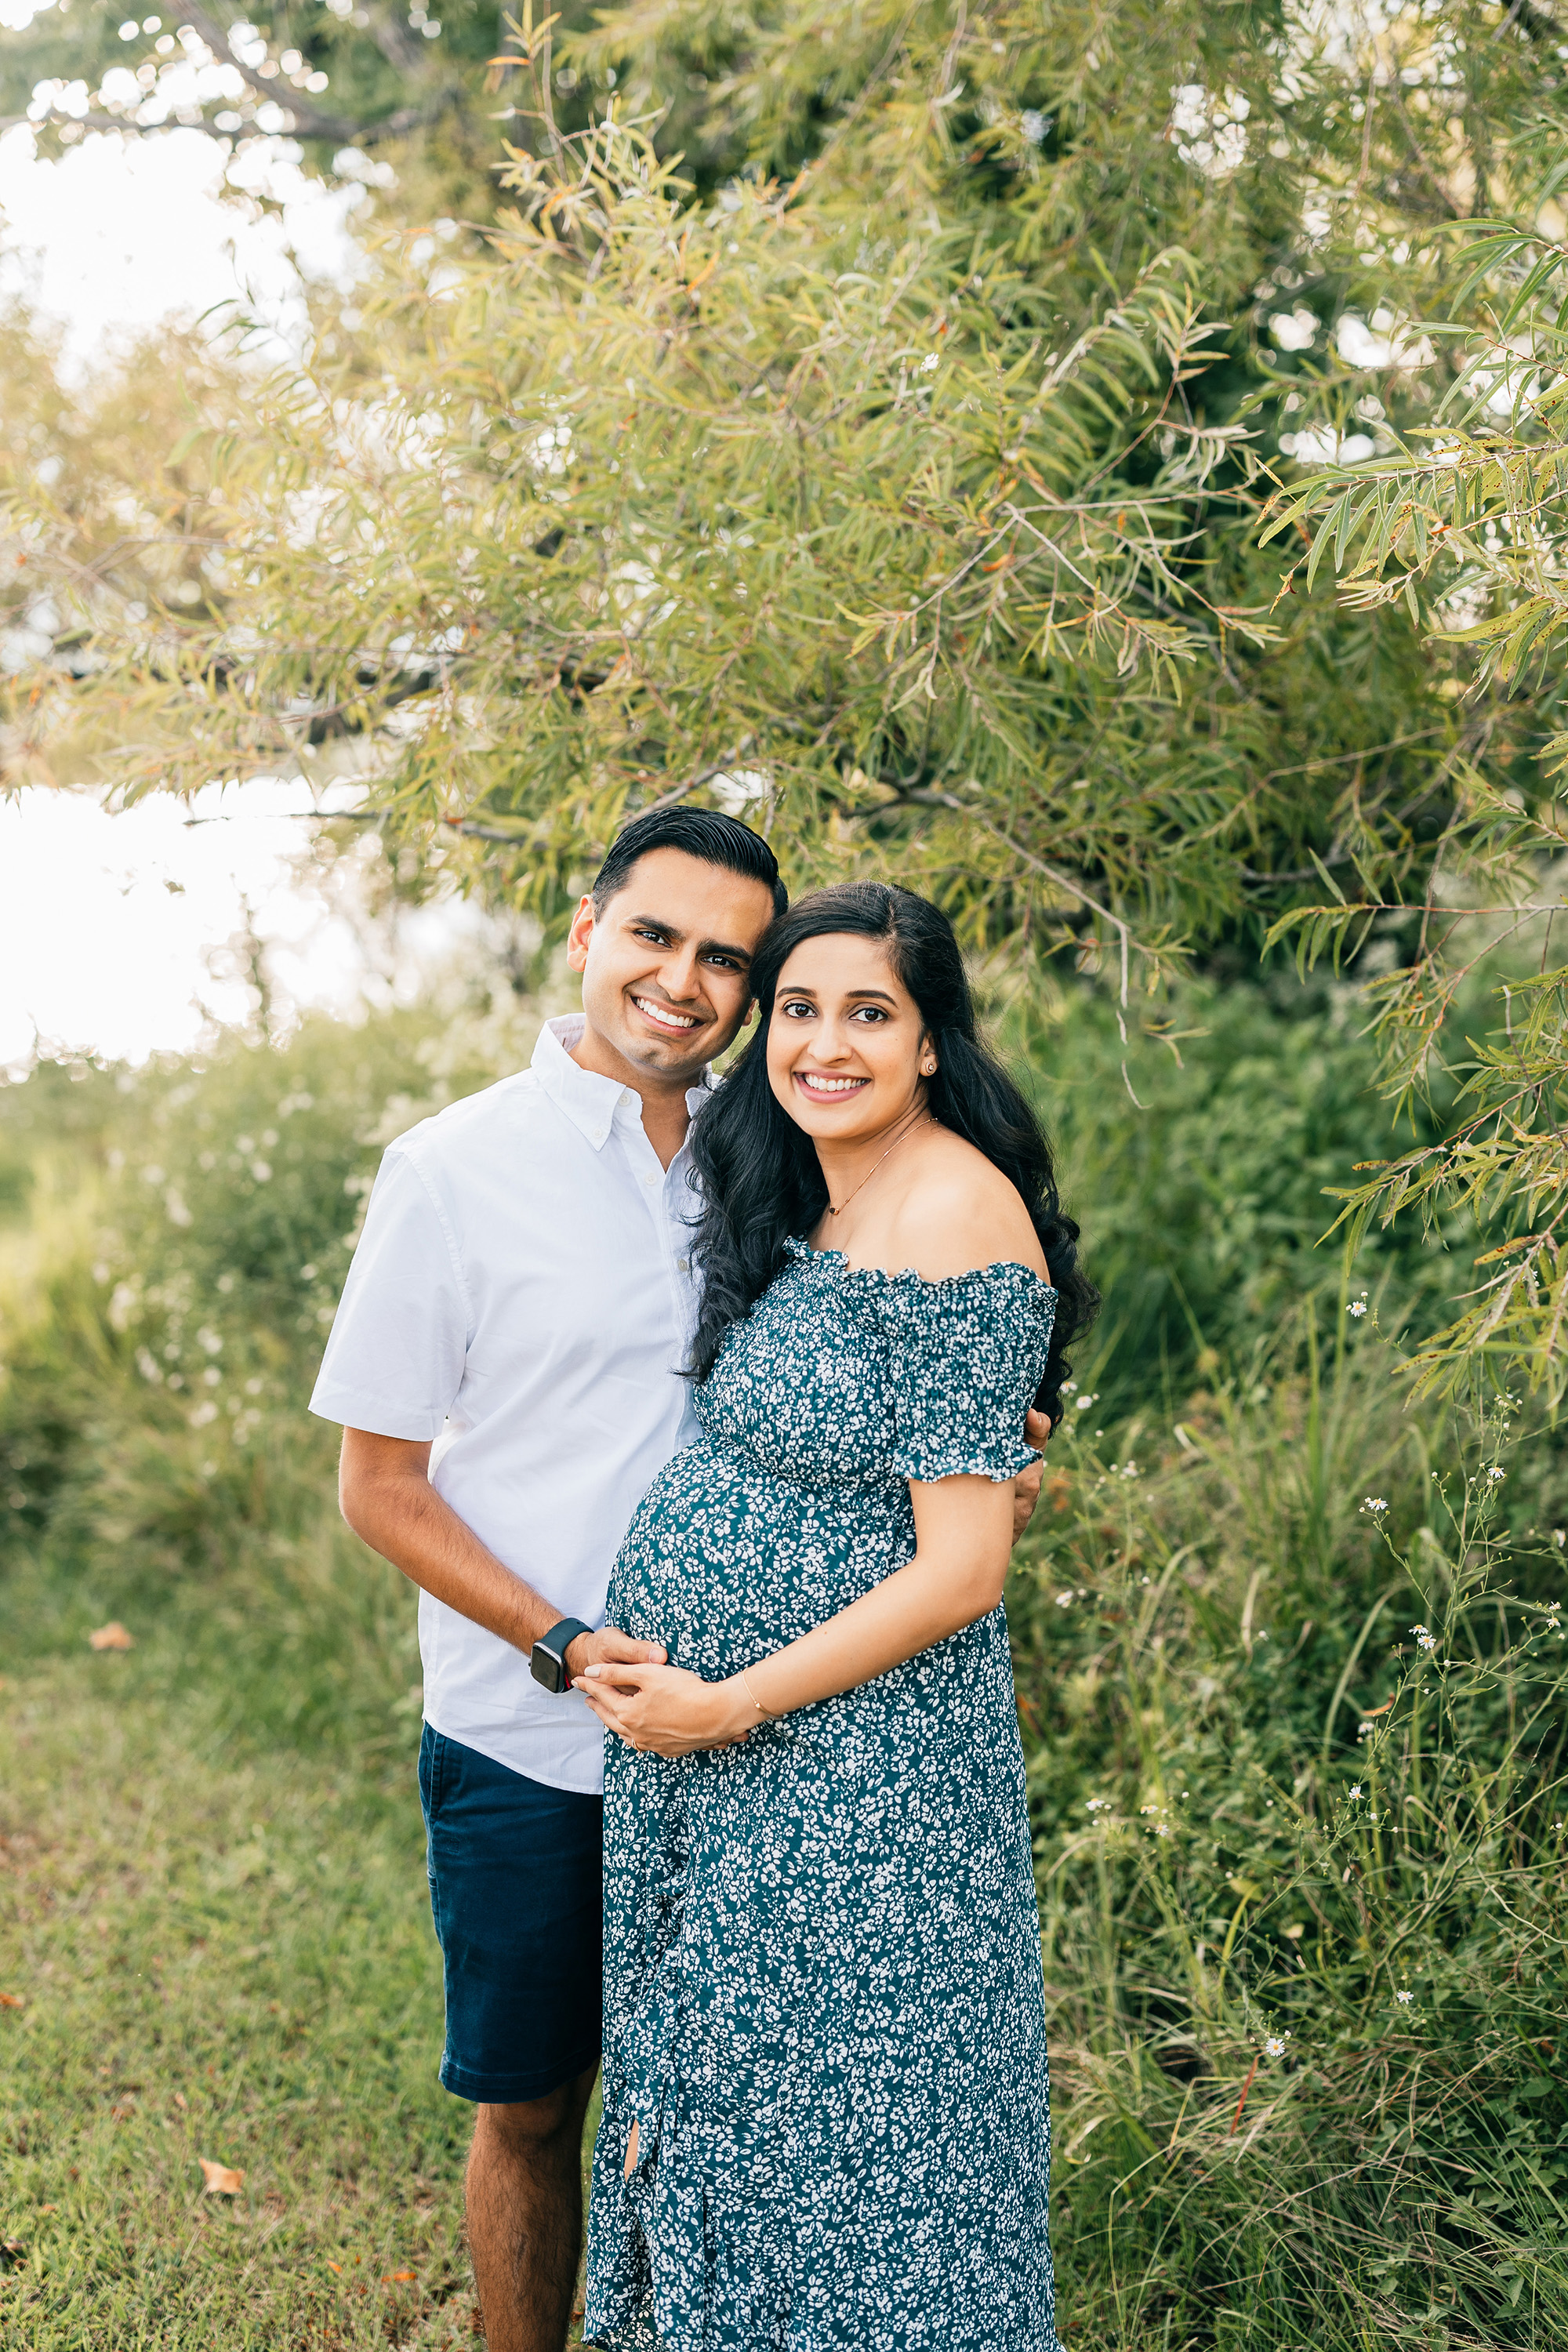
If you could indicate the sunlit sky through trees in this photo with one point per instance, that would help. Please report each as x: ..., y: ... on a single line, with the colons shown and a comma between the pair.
x: 109, y: 926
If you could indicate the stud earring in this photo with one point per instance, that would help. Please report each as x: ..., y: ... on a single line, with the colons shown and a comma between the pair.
x: 928, y: 1069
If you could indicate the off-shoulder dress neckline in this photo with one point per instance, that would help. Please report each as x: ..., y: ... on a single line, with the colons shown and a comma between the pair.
x: 797, y: 1247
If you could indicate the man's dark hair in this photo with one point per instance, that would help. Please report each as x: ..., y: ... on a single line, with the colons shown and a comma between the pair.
x: 718, y: 840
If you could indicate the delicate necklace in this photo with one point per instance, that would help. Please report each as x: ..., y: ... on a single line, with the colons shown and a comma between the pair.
x: 928, y: 1121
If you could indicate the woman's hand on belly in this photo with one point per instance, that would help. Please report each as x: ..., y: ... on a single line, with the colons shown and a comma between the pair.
x: 665, y: 1710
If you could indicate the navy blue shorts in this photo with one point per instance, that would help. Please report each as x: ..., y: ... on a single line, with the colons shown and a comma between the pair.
x: 516, y: 1894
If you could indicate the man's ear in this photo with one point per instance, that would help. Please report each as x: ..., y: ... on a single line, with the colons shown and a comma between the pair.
x: 581, y: 932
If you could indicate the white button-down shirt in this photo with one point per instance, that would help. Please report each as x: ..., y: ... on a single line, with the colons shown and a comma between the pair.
x: 523, y: 1293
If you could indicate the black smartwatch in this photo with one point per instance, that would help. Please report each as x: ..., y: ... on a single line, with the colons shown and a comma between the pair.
x: 547, y: 1660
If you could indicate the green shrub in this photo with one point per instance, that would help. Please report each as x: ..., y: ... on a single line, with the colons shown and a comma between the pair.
x: 1206, y: 1205
x: 1296, y: 1761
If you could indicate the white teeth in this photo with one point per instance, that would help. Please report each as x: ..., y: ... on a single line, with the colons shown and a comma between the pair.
x: 831, y: 1085
x: 663, y: 1016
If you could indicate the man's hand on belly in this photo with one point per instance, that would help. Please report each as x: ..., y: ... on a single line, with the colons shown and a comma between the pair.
x: 608, y: 1647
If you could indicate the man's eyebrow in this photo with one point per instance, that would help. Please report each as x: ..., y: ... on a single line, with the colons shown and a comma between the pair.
x: 673, y: 932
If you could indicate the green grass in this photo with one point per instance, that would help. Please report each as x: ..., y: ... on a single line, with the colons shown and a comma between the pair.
x: 214, y: 1911
x: 222, y: 1956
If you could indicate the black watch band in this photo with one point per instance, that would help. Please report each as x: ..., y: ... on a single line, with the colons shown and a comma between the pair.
x: 547, y: 1659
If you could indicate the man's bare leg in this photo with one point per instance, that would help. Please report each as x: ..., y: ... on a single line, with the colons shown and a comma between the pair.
x: 524, y: 2193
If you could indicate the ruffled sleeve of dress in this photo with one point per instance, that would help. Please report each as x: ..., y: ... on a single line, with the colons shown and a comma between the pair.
x: 966, y: 1356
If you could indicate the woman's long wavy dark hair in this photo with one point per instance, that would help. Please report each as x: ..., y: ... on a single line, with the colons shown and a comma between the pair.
x: 762, y: 1181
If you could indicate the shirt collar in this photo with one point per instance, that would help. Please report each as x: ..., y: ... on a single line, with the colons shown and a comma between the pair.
x: 589, y: 1100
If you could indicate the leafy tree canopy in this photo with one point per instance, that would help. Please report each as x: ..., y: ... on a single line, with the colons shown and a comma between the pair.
x: 863, y: 416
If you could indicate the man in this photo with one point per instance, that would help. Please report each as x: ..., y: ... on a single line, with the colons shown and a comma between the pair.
x: 506, y: 1364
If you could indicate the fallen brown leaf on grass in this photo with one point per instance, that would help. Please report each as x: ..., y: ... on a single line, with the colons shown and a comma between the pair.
x: 397, y: 2278
x: 182, y: 2103
x: 219, y: 2179
x: 112, y: 1637
x: 12, y: 2001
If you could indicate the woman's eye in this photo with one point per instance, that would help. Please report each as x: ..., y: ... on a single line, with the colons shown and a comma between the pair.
x: 869, y: 1012
x: 793, y: 1010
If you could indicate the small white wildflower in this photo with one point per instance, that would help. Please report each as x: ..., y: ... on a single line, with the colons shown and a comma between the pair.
x: 1494, y: 1474
x: 1033, y: 125
x: 1084, y: 1403
x: 1064, y: 1600
x: 1069, y: 1387
x: 1404, y: 1999
x: 1357, y: 1308
x: 1560, y: 1537
x: 1355, y: 1789
x: 1418, y: 1629
x: 1363, y: 1731
x: 1375, y: 1504
x: 1275, y: 2045
x: 1427, y: 1641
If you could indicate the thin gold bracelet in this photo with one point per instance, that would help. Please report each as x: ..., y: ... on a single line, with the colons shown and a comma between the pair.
x: 757, y: 1702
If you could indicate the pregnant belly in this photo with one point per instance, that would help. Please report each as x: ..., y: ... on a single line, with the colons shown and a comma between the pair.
x: 724, y: 1561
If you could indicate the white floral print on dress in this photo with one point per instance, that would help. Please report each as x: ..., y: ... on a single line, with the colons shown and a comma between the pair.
x: 824, y: 2007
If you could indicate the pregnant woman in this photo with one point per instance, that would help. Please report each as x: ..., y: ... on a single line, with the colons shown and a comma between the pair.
x: 825, y: 2119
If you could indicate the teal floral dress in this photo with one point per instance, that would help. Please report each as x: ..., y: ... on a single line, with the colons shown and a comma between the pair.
x: 823, y: 1995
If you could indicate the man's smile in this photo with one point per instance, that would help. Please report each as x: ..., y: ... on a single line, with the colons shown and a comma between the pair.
x: 664, y: 1016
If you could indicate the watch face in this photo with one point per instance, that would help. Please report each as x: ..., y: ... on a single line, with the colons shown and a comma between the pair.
x: 547, y: 1668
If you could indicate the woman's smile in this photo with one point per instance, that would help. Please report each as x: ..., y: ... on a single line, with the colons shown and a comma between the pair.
x: 824, y: 1088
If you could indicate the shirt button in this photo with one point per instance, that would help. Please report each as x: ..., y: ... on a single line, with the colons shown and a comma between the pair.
x: 650, y: 1180
x: 684, y: 1263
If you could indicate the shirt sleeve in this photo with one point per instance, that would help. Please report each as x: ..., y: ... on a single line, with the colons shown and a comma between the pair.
x: 967, y: 1356
x: 395, y: 1358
